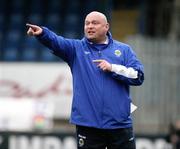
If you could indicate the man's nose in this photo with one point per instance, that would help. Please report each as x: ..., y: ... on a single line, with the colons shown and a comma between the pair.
x: 90, y: 25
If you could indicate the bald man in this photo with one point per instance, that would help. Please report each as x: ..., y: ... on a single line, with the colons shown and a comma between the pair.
x: 103, y: 69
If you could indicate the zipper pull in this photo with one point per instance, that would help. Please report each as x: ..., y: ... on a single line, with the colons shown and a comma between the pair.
x: 99, y: 53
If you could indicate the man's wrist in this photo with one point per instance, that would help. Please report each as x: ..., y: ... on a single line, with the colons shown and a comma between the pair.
x: 111, y: 67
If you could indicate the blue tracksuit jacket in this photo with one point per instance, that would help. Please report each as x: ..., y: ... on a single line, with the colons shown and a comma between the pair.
x: 100, y: 99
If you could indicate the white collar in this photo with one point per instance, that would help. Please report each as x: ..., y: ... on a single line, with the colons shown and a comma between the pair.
x: 107, y: 40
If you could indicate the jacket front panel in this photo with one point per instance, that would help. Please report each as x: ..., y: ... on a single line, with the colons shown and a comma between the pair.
x: 99, y: 99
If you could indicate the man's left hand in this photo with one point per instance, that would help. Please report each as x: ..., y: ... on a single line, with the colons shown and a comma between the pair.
x: 103, y: 64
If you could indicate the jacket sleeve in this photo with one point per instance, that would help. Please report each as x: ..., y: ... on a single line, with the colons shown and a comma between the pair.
x: 132, y: 73
x: 60, y: 46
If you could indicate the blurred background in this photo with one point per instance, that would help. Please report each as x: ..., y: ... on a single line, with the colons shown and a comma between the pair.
x: 35, y: 86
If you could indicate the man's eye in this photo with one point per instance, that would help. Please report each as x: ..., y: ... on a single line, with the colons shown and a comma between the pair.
x: 86, y: 23
x: 95, y: 23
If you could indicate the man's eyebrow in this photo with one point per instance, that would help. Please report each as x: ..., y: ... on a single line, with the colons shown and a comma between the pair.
x: 92, y: 21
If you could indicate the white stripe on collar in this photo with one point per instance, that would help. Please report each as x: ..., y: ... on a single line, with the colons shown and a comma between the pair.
x: 107, y: 40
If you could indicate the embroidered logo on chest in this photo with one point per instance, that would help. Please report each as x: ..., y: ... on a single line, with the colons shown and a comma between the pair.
x: 117, y: 53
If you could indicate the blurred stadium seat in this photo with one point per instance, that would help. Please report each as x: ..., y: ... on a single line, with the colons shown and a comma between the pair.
x: 17, y: 6
x: 53, y: 22
x: 29, y: 42
x: 54, y: 6
x: 16, y: 21
x: 2, y: 6
x: 1, y: 44
x: 36, y: 6
x: 35, y: 18
x: 71, y: 28
x: 29, y: 54
x: 46, y: 55
x: 12, y: 38
x: 10, y: 54
x: 1, y: 22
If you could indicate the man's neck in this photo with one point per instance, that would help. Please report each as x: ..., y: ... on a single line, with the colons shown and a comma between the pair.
x: 104, y: 41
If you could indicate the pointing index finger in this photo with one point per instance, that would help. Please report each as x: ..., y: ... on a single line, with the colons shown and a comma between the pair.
x: 30, y: 25
x: 97, y: 60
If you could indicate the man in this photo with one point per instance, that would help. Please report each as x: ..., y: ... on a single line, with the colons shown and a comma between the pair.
x: 102, y: 70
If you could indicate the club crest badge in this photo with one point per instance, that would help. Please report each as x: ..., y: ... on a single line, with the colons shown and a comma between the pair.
x: 117, y: 53
x: 81, y: 142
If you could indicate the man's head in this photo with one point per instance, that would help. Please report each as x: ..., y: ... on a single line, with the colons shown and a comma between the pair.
x: 96, y: 27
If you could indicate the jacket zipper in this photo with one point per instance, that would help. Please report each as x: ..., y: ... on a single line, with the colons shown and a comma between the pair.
x: 100, y: 57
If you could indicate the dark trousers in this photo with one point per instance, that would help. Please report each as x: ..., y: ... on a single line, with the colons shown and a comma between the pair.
x: 92, y: 138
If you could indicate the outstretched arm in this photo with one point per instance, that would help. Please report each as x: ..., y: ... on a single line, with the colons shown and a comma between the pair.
x: 60, y: 46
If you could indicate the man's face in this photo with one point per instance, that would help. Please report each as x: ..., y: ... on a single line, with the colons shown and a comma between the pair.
x: 96, y: 27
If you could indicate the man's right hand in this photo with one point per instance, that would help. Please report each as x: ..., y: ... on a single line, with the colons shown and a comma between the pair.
x: 34, y: 30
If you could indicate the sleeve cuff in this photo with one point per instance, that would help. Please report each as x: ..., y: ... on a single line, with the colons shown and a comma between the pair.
x: 122, y: 70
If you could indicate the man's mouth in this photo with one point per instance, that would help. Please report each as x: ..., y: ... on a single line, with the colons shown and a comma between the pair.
x: 91, y: 32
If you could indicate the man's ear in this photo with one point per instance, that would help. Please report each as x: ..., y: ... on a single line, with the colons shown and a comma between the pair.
x: 107, y: 26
